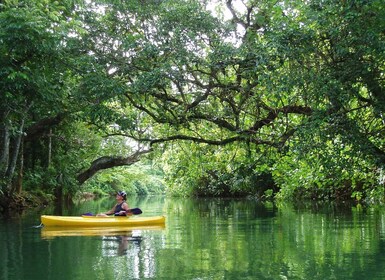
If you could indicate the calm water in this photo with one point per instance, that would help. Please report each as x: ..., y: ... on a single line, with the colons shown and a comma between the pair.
x: 203, y: 239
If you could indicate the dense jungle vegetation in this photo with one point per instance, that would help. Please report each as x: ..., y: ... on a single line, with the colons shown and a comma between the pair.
x: 263, y: 98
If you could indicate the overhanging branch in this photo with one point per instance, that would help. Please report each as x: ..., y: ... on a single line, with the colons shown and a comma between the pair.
x: 109, y: 162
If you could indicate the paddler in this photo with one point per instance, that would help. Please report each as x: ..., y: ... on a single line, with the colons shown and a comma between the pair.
x: 121, y: 207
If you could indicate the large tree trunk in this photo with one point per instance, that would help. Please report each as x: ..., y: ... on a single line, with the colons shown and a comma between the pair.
x: 19, y: 183
x: 4, y: 149
x: 14, y: 155
x: 109, y: 162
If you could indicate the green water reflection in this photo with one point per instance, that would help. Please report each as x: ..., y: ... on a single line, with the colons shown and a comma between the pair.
x: 205, y: 239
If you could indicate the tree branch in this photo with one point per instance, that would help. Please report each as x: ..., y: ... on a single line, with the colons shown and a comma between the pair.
x: 39, y: 128
x: 273, y: 114
x: 194, y: 139
x: 109, y: 162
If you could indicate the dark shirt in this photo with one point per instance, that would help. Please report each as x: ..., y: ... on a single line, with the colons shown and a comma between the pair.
x: 119, y: 208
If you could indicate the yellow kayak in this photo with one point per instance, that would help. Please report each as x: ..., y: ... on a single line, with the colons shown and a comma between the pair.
x: 94, y: 221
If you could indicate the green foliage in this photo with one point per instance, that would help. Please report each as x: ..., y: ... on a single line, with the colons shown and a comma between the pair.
x: 206, y: 171
x: 282, y: 96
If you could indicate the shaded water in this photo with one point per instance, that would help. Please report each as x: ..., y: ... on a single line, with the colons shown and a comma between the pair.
x: 203, y: 239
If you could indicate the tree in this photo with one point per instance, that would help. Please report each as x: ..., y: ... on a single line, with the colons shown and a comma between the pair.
x: 30, y: 52
x: 271, y: 76
x: 282, y: 90
x: 335, y: 48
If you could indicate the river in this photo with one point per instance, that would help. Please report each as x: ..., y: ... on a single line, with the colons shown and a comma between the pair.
x: 202, y: 239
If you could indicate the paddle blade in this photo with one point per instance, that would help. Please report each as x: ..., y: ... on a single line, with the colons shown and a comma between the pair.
x: 87, y: 214
x: 136, y: 211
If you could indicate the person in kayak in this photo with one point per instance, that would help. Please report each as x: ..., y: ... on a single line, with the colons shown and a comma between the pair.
x: 121, y: 207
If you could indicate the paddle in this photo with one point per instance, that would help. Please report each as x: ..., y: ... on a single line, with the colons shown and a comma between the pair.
x: 134, y: 211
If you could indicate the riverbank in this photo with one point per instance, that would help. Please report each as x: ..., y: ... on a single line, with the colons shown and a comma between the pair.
x: 17, y: 203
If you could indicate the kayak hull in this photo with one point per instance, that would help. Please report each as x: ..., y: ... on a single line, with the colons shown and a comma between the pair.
x: 94, y: 221
x: 52, y: 232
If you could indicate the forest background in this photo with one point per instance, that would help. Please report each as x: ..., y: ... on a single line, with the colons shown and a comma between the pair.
x: 262, y: 98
